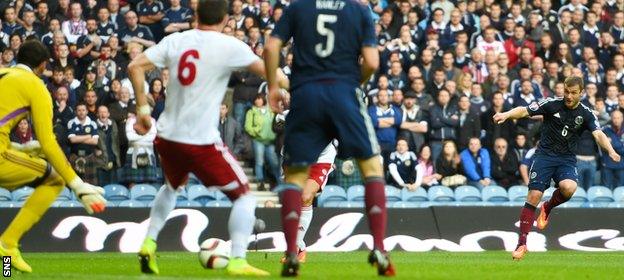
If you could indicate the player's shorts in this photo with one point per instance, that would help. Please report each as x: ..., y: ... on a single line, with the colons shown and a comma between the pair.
x: 544, y: 168
x: 213, y: 165
x: 319, y: 172
x: 19, y: 169
x: 321, y: 111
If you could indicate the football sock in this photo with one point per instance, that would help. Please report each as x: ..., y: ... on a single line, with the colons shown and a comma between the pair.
x: 304, y: 224
x: 375, y: 198
x: 32, y: 211
x: 241, y: 223
x: 556, y: 200
x: 527, y: 217
x: 291, y: 211
x: 164, y: 202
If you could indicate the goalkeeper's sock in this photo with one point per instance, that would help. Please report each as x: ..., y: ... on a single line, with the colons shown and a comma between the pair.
x: 241, y: 223
x: 375, y: 198
x: 164, y: 202
x: 527, y: 217
x: 304, y: 224
x: 556, y: 200
x: 32, y: 211
x: 291, y: 212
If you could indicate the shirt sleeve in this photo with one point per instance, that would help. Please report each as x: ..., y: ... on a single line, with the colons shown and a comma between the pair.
x: 158, y: 54
x: 241, y: 55
x: 283, y: 28
x: 41, y: 111
x: 591, y: 122
x: 368, y: 29
x: 541, y: 108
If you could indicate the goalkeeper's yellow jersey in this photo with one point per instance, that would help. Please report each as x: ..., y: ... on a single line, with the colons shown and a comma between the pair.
x: 23, y: 93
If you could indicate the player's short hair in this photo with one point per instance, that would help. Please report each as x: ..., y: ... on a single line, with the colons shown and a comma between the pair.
x: 573, y: 81
x: 32, y: 53
x: 211, y: 12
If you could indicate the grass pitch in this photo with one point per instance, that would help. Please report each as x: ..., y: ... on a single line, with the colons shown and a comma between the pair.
x: 431, y: 265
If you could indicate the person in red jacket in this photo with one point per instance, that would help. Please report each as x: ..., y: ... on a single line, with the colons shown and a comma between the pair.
x: 514, y: 44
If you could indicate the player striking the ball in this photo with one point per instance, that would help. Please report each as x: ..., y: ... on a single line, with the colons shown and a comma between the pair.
x: 23, y: 93
x: 201, y: 61
x: 329, y: 39
x: 565, y: 119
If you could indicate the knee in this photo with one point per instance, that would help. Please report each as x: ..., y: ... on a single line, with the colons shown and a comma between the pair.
x: 567, y: 188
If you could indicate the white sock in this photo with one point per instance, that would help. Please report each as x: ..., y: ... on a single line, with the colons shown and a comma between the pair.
x: 242, y: 219
x: 164, y: 203
x: 304, y: 223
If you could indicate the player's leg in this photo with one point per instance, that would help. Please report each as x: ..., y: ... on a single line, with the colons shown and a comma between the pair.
x: 173, y: 159
x: 565, y: 177
x: 214, y: 165
x: 357, y: 139
x: 21, y: 169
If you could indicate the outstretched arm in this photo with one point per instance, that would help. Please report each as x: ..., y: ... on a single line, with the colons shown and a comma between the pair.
x: 605, y: 144
x: 515, y: 113
x: 136, y: 73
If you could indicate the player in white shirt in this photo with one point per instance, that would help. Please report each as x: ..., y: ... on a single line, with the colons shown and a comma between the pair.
x: 201, y: 61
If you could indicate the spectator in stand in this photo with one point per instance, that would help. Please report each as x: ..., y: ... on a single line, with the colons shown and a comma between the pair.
x: 449, y: 166
x: 23, y: 133
x: 63, y: 113
x: 105, y: 60
x: 514, y: 44
x: 476, y: 67
x: 613, y: 172
x: 425, y: 168
x: 386, y: 120
x: 245, y: 86
x: 177, y: 18
x: 264, y: 16
x: 504, y: 164
x: 520, y: 146
x: 10, y: 25
x: 156, y: 97
x: 83, y: 136
x: 8, y: 58
x: 469, y: 123
x: 423, y: 98
x: 586, y: 158
x: 91, y: 102
x: 259, y: 124
x: 75, y: 26
x: 452, y: 73
x: 489, y: 42
x: 141, y: 165
x: 476, y: 163
x: 402, y: 167
x: 347, y: 173
x: 56, y: 80
x: 28, y: 26
x: 230, y: 132
x: 151, y: 13
x: 135, y: 32
x: 105, y: 28
x: 414, y: 124
x: 116, y: 16
x: 119, y: 112
x: 108, y: 152
x: 444, y: 122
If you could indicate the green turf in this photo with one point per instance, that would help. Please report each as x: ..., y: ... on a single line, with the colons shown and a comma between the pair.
x: 431, y: 265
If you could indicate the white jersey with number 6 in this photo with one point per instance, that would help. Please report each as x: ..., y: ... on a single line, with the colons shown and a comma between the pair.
x: 200, y: 63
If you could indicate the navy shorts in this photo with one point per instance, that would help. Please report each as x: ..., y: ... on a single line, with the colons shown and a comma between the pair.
x: 545, y: 168
x: 325, y: 110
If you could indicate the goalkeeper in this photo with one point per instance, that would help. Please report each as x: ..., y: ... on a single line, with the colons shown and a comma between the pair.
x: 23, y: 93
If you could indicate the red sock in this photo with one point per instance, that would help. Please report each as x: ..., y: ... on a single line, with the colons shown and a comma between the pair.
x: 291, y: 211
x: 375, y: 197
x: 556, y: 199
x: 527, y: 217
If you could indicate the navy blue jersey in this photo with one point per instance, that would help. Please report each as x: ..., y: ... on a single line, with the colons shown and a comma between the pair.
x: 328, y: 36
x: 106, y: 29
x: 177, y: 16
x: 562, y: 127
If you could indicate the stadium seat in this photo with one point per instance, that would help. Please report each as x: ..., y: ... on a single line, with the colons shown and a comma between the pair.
x: 355, y: 193
x: 132, y: 204
x: 599, y: 194
x: 187, y: 204
x: 5, y: 195
x: 11, y: 204
x: 548, y: 193
x: 70, y: 204
x: 405, y: 204
x: 65, y: 195
x: 418, y: 195
x: 602, y: 204
x: 219, y: 203
x: 616, y: 204
x: 467, y: 194
x: 22, y: 194
x: 518, y: 193
x: 351, y: 204
x: 332, y: 193
x: 514, y: 203
x: 464, y: 203
x: 115, y: 192
x: 142, y: 192
x: 112, y: 203
x: 572, y: 204
x: 182, y: 194
x: 331, y: 204
x: 440, y: 194
x: 579, y: 196
x: 618, y: 194
x: 494, y: 194
x: 200, y: 194
x: 392, y: 194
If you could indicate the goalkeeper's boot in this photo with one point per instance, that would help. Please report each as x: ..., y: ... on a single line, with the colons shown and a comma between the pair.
x: 519, y: 253
x: 147, y: 257
x: 382, y: 262
x: 290, y: 266
x: 240, y: 267
x: 17, y: 261
x: 542, y: 219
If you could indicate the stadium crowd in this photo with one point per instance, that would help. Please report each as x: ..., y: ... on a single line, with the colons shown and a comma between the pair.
x: 446, y: 68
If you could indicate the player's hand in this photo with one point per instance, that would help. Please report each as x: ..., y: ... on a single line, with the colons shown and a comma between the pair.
x: 500, y: 118
x: 143, y: 120
x: 614, y: 156
x: 275, y: 99
x: 89, y: 195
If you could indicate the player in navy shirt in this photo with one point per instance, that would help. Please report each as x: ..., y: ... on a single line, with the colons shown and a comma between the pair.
x: 565, y: 119
x: 329, y: 37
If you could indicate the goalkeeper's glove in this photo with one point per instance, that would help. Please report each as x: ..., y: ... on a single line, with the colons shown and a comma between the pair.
x: 89, y: 195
